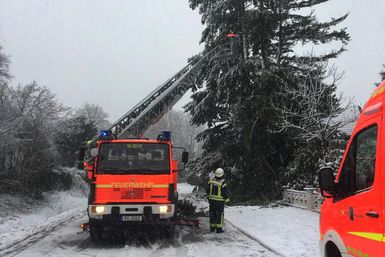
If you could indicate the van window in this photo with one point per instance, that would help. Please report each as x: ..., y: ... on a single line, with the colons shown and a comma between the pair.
x: 358, y: 170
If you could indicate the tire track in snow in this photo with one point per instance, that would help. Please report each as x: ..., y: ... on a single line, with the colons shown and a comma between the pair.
x: 188, y: 242
x: 197, y: 201
x: 268, y: 247
x: 29, y: 240
x: 193, y: 251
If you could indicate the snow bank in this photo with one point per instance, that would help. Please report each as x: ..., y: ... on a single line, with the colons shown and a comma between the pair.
x: 22, y: 218
x: 290, y: 231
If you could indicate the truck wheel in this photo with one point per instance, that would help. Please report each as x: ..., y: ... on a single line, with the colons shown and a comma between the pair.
x: 96, y: 233
x: 170, y: 231
x: 332, y: 250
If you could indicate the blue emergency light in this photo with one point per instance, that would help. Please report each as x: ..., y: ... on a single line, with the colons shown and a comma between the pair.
x: 104, y: 134
x: 165, y: 136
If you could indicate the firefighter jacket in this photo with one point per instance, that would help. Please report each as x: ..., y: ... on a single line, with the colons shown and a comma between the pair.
x: 217, y: 190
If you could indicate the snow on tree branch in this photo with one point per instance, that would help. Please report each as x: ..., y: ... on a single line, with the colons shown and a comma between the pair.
x: 308, y: 105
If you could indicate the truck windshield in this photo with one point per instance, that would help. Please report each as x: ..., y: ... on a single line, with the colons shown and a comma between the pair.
x: 124, y: 158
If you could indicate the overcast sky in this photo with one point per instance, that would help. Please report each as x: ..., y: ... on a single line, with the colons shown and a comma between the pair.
x: 114, y: 52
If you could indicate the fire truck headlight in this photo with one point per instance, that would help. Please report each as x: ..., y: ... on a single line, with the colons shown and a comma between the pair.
x: 164, y: 208
x: 98, y: 209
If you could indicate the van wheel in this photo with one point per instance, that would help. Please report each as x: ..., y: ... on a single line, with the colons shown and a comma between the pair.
x: 332, y: 250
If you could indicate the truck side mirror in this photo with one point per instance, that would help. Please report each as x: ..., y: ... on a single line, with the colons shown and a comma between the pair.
x: 94, y: 152
x: 326, y: 181
x: 185, y: 157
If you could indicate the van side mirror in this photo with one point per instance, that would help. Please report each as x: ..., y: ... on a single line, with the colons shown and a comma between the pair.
x: 326, y: 182
x: 185, y: 157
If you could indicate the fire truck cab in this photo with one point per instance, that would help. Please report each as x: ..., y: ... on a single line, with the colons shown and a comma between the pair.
x: 133, y: 182
x: 352, y: 215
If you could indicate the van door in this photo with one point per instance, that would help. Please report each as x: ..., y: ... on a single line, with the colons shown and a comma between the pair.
x: 359, y: 192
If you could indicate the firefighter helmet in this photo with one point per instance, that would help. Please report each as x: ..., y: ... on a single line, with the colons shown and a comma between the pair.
x: 219, y: 173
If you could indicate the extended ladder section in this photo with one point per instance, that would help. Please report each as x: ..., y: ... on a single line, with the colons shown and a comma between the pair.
x: 135, y: 122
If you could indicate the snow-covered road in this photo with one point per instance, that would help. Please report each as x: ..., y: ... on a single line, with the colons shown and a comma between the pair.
x: 51, y: 228
x: 288, y: 231
x: 69, y: 241
x: 66, y: 239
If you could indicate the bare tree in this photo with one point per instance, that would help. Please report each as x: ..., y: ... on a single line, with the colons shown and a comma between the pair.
x: 28, y: 114
x: 310, y: 107
x: 5, y: 76
x: 94, y: 113
x: 183, y: 133
x: 312, y: 116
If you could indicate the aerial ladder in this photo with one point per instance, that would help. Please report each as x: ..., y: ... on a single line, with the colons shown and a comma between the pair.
x: 148, y: 111
x: 112, y: 197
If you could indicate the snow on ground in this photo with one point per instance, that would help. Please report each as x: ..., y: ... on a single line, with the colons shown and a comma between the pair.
x: 43, y: 238
x: 189, y: 242
x: 51, y: 228
x: 21, y: 219
x: 184, y: 189
x: 289, y: 231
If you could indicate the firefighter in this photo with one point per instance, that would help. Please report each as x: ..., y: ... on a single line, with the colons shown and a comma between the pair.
x: 218, y: 195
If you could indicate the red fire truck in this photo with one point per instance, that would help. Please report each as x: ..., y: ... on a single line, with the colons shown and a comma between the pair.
x: 353, y: 213
x: 133, y: 183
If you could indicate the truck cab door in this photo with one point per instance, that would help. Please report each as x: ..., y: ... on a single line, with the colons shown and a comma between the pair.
x: 358, y: 200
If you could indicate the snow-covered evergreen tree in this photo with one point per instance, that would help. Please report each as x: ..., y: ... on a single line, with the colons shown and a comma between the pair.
x: 236, y: 94
x: 382, y: 76
x: 382, y: 73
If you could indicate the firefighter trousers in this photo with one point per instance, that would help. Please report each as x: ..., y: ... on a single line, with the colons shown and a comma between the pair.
x: 216, y: 214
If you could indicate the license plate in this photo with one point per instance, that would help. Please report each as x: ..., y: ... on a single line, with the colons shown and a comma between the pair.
x: 131, y: 218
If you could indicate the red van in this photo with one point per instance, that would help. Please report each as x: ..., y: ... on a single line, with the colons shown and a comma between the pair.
x: 352, y: 216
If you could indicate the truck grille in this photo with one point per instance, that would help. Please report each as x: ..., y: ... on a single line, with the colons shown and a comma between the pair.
x: 134, y: 193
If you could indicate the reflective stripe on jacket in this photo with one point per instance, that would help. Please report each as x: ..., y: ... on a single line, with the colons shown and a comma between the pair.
x: 217, y: 190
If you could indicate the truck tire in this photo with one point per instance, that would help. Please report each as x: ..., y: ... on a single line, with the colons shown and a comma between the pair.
x: 96, y: 232
x: 332, y: 250
x: 170, y: 231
